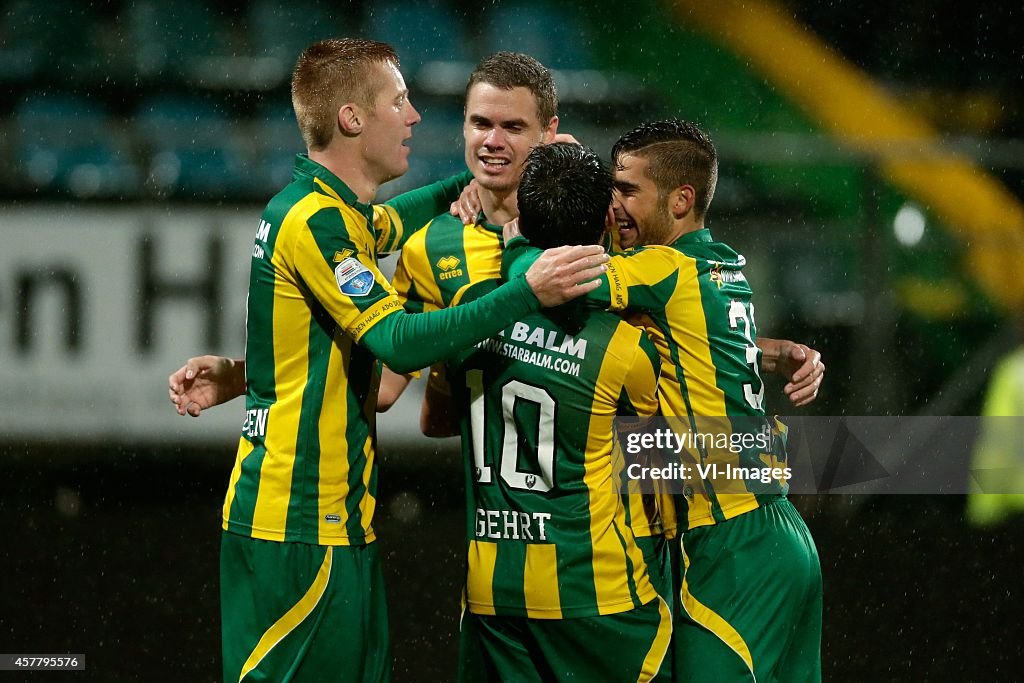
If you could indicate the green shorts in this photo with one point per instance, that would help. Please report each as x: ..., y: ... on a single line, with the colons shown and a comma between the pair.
x: 628, y: 646
x: 750, y: 602
x: 657, y: 551
x: 298, y: 612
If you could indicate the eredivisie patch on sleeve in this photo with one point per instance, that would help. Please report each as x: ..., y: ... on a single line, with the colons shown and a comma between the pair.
x: 354, y: 279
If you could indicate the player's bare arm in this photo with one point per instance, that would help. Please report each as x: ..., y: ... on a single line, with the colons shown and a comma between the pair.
x: 205, y: 381
x: 439, y: 414
x: 799, y: 364
x: 392, y: 385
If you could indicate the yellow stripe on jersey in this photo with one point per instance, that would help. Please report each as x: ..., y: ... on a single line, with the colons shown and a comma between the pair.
x: 333, y: 481
x: 292, y: 618
x: 245, y: 448
x: 540, y: 582
x: 483, y: 258
x: 689, y: 328
x: 371, y: 316
x: 327, y: 189
x: 483, y: 557
x: 610, y: 559
x: 712, y: 621
x: 319, y: 277
x: 368, y: 503
x: 291, y: 318
x: 659, y: 648
x: 415, y: 270
x: 388, y: 227
x: 684, y: 313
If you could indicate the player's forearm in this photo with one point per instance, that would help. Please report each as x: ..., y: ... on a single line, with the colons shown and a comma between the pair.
x: 407, y: 342
x: 439, y: 416
x: 518, y: 255
x: 392, y: 386
x: 418, y: 207
x: 771, y: 352
x: 234, y: 381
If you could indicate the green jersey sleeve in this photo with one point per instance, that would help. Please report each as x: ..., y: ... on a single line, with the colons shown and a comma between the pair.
x: 398, y: 218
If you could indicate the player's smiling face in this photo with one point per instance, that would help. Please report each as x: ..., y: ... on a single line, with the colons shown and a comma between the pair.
x: 389, y: 125
x: 641, y: 213
x: 501, y: 127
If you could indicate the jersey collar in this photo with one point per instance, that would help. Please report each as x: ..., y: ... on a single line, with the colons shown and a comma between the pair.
x: 481, y: 220
x: 306, y: 167
x: 695, y: 237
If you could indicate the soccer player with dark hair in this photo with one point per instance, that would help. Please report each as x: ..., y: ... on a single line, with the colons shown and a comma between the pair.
x: 301, y: 586
x: 751, y: 580
x: 556, y: 586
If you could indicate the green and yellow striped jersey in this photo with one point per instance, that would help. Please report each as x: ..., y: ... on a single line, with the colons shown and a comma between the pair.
x: 548, y: 536
x: 305, y: 468
x: 442, y: 265
x: 696, y: 307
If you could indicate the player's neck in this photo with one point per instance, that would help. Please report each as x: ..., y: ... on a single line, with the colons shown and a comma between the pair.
x: 499, y: 207
x: 684, y: 227
x: 350, y: 170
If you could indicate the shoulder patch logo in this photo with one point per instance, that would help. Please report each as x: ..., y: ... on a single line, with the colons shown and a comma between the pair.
x: 448, y: 263
x: 722, y: 276
x: 716, y: 274
x: 354, y: 279
x: 340, y: 256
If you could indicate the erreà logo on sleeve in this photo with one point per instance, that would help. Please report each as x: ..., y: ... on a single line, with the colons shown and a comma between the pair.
x: 354, y: 279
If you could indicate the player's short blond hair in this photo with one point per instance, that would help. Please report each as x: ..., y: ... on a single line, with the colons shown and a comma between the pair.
x: 330, y: 74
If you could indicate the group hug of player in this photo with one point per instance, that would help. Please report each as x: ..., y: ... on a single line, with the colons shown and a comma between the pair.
x: 566, y: 579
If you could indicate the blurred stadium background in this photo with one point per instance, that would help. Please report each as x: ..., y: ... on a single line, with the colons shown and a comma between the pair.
x: 872, y: 173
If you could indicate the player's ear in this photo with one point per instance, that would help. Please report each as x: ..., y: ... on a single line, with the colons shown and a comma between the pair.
x: 551, y: 131
x: 350, y: 119
x: 681, y: 201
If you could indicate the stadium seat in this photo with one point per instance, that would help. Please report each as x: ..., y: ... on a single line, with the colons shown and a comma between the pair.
x: 437, y: 147
x: 68, y: 144
x: 277, y: 139
x: 545, y: 31
x: 283, y: 30
x: 420, y: 32
x: 194, y: 148
x: 34, y: 38
x: 173, y: 38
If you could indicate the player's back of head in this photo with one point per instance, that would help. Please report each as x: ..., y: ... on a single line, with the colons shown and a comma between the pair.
x: 563, y: 196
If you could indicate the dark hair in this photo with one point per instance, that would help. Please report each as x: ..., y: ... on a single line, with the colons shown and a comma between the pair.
x: 563, y: 196
x: 329, y: 74
x: 507, y: 70
x: 677, y: 153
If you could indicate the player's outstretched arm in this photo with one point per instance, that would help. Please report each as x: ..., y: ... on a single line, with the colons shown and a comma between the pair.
x: 205, y: 381
x: 407, y: 342
x: 798, y: 364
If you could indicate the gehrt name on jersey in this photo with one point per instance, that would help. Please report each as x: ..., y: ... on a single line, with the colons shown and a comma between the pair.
x: 512, y: 525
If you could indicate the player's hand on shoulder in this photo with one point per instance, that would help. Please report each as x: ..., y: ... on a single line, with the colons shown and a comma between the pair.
x: 467, y: 207
x: 564, y: 273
